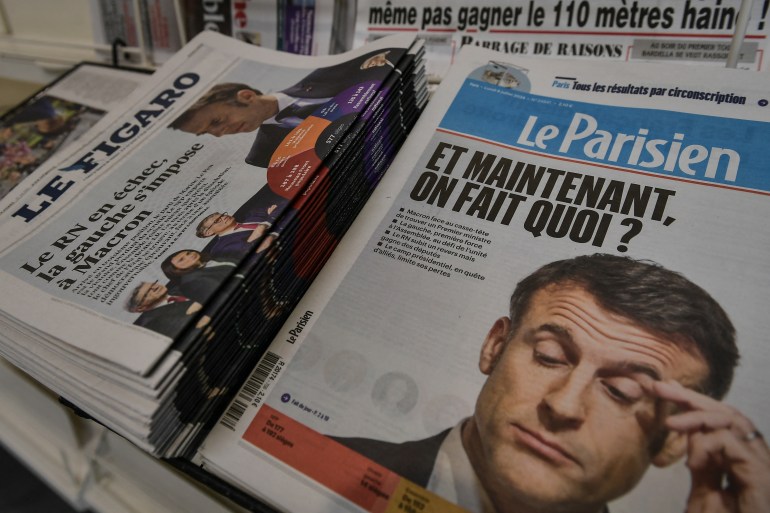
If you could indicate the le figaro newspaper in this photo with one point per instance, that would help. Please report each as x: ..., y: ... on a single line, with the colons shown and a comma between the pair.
x: 626, y: 206
x: 95, y: 242
x: 45, y: 219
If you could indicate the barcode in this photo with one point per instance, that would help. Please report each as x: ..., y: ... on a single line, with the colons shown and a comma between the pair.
x: 246, y: 395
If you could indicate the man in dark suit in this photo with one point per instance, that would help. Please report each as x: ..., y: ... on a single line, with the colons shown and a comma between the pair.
x: 232, y: 108
x: 604, y: 366
x: 413, y: 460
x: 232, y: 236
x: 161, y: 311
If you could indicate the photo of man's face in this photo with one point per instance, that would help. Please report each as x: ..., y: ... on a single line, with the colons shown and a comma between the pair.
x: 216, y: 223
x: 220, y: 119
x: 149, y: 293
x: 563, y: 418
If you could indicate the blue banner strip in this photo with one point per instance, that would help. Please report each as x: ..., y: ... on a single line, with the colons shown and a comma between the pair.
x: 703, y: 148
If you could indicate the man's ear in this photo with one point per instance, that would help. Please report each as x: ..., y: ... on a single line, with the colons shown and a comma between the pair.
x: 245, y: 95
x: 494, y: 344
x: 674, y: 447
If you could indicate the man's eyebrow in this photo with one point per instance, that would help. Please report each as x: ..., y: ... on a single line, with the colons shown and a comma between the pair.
x: 561, y: 331
x: 563, y: 336
x: 629, y: 367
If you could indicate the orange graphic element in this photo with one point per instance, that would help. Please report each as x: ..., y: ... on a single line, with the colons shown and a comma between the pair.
x: 290, y: 177
x: 410, y: 498
x: 295, y: 161
x: 340, y: 469
x: 317, y: 185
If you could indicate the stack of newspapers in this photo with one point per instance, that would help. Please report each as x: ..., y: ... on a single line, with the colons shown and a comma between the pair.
x: 145, y: 268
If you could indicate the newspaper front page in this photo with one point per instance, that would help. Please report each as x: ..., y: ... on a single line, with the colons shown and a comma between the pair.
x: 363, y: 401
x: 642, y: 30
x: 89, y: 307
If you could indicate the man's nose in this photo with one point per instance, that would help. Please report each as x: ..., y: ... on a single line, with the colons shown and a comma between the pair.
x: 565, y: 404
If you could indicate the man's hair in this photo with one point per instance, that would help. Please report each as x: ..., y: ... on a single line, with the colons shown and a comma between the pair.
x: 654, y: 298
x: 226, y: 92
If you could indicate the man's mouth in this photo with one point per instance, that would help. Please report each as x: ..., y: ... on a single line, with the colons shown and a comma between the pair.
x: 543, y: 446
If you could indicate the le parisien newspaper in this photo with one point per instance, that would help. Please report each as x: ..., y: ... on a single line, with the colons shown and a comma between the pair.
x: 95, y: 222
x: 515, y: 164
x: 690, y: 31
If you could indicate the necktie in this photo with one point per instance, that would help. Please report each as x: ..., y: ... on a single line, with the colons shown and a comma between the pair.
x: 247, y: 226
x: 293, y: 114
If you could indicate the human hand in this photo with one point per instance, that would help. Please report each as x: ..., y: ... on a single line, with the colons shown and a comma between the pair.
x: 266, y: 243
x: 256, y: 233
x: 728, y: 458
x: 194, y: 308
x: 203, y: 322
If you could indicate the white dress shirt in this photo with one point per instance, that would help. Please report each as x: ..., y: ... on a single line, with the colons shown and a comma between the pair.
x: 453, y: 477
